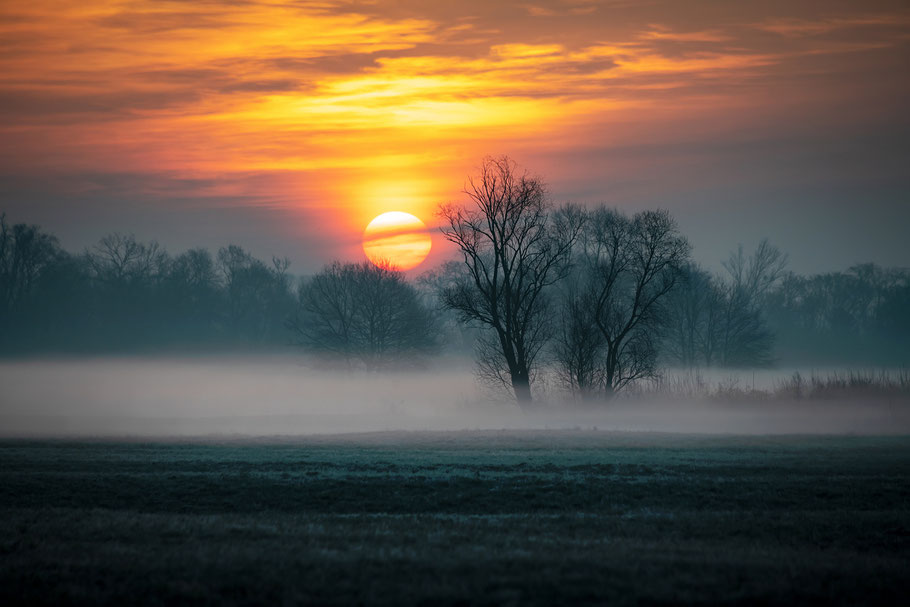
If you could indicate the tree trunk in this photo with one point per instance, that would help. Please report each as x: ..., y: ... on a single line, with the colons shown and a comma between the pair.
x: 609, y: 387
x: 522, y: 387
x: 589, y: 396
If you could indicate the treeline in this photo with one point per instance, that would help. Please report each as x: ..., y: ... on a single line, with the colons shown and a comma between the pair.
x: 365, y: 315
x: 122, y: 295
x: 861, y: 315
x: 595, y: 297
x: 756, y: 313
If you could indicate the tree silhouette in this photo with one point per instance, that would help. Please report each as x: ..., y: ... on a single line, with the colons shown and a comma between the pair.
x: 258, y: 296
x: 720, y: 320
x: 363, y: 313
x: 625, y: 267
x: 743, y: 336
x: 693, y: 315
x: 514, y: 246
x: 26, y: 255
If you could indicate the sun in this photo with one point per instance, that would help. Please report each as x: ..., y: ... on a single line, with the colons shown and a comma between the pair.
x: 398, y: 239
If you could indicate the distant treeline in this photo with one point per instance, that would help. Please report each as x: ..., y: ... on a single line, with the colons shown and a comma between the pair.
x: 124, y: 295
x: 756, y: 313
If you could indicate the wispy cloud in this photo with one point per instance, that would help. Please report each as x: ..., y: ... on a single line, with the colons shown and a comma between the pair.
x: 662, y: 32
x: 797, y: 27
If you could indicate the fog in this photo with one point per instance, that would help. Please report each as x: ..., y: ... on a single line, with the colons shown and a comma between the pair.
x: 284, y: 395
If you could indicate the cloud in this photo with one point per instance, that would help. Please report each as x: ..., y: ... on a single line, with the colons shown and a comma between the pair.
x: 661, y: 32
x: 352, y: 107
x: 796, y: 27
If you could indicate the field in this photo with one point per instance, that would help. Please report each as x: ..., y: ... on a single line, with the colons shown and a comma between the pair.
x: 467, y: 517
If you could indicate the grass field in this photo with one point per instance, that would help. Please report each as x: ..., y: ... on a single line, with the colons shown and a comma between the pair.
x: 481, y: 518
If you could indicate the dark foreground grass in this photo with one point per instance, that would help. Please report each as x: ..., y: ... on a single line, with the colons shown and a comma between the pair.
x: 471, y: 518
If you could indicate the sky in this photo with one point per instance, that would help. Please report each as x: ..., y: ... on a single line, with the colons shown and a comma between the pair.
x: 287, y: 126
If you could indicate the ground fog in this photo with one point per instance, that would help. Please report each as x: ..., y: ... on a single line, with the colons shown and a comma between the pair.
x: 274, y: 395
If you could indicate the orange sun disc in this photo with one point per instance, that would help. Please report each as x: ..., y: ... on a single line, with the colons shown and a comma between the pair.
x: 396, y: 239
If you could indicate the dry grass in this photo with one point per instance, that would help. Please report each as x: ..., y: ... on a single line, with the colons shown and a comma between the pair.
x: 855, y: 386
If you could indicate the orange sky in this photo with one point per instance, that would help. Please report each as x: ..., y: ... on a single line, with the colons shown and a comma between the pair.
x: 303, y: 122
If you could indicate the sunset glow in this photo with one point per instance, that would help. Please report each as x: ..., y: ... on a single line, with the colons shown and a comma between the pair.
x: 313, y: 117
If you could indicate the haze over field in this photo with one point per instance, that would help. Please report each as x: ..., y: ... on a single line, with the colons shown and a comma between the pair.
x: 277, y: 395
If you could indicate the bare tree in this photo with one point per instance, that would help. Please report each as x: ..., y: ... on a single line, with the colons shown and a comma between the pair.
x: 191, y: 293
x: 259, y: 297
x: 126, y: 276
x: 694, y: 308
x: 720, y: 320
x: 121, y: 261
x: 744, y: 338
x: 363, y: 313
x: 513, y: 247
x: 194, y: 271
x: 25, y: 253
x: 756, y: 275
x: 431, y: 284
x: 578, y: 347
x: 627, y: 266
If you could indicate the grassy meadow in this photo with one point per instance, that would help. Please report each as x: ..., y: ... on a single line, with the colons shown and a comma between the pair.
x: 519, y: 517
